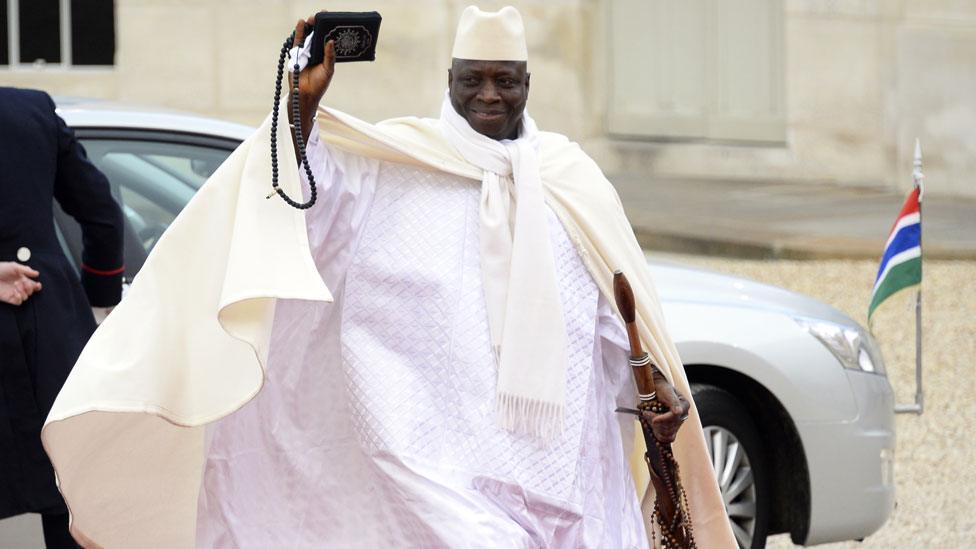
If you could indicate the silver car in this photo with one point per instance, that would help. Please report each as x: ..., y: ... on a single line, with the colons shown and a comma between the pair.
x: 793, y: 395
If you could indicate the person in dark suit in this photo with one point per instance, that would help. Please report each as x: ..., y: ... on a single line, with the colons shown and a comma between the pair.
x: 46, y: 314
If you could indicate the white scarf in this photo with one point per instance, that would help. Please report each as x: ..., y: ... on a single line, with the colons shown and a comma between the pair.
x: 525, y: 315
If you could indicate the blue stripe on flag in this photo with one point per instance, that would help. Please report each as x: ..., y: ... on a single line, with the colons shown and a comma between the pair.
x: 906, y: 238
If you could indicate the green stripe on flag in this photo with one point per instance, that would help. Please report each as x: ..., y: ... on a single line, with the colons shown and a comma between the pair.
x: 900, y: 276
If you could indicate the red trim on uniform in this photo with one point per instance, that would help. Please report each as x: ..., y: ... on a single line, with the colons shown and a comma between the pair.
x: 113, y: 272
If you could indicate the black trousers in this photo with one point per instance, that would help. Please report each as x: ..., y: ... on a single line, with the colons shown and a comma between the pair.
x: 56, y: 535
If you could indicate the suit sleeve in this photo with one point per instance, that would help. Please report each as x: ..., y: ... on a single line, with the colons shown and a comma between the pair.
x: 84, y: 194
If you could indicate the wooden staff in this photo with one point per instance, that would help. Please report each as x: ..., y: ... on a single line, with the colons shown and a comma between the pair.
x: 670, y: 505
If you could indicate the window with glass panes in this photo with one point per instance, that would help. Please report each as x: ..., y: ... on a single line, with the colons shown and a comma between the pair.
x: 57, y: 32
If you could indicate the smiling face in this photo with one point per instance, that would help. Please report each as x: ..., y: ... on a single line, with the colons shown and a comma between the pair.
x: 490, y: 95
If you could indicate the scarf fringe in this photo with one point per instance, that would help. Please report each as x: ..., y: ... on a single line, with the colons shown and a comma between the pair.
x: 536, y: 418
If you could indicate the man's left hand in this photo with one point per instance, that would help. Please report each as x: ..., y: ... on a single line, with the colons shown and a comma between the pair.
x: 666, y: 425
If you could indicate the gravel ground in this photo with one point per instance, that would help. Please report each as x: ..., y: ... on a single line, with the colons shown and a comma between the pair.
x: 934, y: 472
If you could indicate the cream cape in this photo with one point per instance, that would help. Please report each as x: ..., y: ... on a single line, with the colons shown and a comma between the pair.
x: 189, y: 343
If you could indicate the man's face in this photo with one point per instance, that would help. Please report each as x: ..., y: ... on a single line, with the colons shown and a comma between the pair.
x: 490, y: 95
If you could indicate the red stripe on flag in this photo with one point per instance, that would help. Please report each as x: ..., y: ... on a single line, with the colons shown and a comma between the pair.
x: 911, y: 204
x: 910, y: 207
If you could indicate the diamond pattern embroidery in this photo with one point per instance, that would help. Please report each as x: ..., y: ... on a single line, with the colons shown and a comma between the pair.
x: 415, y: 344
x: 377, y: 428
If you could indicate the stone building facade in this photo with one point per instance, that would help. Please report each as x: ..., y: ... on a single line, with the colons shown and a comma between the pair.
x: 826, y: 92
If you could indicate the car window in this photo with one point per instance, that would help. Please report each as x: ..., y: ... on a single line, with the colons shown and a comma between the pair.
x: 153, y: 180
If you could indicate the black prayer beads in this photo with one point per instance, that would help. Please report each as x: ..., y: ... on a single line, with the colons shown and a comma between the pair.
x: 296, y: 129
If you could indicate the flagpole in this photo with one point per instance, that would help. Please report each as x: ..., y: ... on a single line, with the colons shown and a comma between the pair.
x: 919, y: 405
x: 918, y: 176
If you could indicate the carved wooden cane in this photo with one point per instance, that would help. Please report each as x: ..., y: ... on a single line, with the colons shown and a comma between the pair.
x: 670, y: 505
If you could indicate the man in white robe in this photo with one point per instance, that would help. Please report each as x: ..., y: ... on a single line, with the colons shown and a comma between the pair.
x: 396, y: 443
x: 384, y: 416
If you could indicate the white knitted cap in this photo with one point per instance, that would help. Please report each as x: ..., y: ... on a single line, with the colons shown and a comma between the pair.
x: 490, y: 36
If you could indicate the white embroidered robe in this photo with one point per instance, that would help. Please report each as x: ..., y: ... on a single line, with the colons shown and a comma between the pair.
x: 376, y: 425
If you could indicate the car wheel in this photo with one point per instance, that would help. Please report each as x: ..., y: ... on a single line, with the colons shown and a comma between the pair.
x: 738, y: 461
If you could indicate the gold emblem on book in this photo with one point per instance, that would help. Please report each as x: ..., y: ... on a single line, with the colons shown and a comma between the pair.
x: 350, y: 41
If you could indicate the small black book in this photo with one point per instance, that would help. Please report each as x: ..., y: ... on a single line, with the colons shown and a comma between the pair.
x: 354, y: 33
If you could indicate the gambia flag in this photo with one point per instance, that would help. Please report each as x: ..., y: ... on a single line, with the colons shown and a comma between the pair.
x: 901, y: 263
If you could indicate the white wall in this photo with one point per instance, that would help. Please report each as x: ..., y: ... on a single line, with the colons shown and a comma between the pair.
x: 861, y: 79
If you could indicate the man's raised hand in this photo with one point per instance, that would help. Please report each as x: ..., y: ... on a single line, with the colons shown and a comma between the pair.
x: 313, y: 81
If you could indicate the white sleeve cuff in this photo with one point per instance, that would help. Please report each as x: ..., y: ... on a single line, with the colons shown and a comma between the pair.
x: 317, y: 157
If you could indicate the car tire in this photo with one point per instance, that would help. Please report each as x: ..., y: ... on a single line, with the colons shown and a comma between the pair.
x: 741, y: 467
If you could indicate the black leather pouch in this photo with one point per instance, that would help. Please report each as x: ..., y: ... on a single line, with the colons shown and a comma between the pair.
x: 354, y: 33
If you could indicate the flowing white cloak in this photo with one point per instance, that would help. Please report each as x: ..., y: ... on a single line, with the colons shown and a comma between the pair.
x: 376, y: 426
x: 190, y: 343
